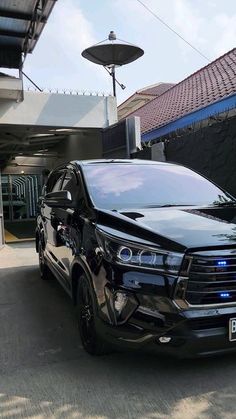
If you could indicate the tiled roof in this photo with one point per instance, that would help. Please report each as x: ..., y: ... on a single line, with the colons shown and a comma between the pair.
x: 208, y: 85
x: 141, y: 97
x: 156, y: 90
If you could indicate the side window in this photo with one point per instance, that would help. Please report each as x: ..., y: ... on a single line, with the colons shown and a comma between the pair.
x: 54, y: 182
x: 70, y: 184
x: 57, y: 185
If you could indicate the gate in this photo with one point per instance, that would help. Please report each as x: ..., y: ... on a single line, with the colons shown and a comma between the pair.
x: 121, y: 140
x: 20, y: 195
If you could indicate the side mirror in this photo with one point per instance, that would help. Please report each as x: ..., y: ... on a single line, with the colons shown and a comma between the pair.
x: 60, y: 199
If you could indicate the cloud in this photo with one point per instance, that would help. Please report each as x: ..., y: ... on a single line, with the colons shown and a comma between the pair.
x: 227, y: 29
x: 204, y: 26
x: 189, y: 23
x: 58, y: 52
x: 77, y: 33
x: 213, y: 33
x: 105, y: 182
x: 182, y: 16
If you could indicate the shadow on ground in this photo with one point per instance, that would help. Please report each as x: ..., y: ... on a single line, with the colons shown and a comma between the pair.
x: 45, y: 372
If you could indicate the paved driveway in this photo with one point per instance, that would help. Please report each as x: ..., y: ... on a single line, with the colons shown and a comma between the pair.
x: 44, y: 373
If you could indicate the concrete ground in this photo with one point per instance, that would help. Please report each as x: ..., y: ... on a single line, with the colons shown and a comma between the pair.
x: 44, y: 372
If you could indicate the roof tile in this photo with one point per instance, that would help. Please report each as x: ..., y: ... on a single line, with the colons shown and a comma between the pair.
x: 208, y: 85
x: 157, y: 90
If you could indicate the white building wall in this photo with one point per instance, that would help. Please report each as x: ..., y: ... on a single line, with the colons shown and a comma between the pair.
x: 11, y: 88
x: 60, y: 110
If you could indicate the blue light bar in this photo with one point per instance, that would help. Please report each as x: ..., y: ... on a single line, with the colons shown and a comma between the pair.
x: 222, y: 263
x: 225, y: 294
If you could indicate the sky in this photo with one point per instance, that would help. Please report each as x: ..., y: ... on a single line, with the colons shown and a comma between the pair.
x: 56, y: 62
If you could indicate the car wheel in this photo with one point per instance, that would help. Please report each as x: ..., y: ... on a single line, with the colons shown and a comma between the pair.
x: 87, y: 309
x: 45, y: 272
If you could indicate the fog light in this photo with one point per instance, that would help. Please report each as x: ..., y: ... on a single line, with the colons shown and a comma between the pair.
x: 120, y: 300
x: 164, y: 339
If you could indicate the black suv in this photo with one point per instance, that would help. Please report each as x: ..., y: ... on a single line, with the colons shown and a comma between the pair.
x: 147, y: 252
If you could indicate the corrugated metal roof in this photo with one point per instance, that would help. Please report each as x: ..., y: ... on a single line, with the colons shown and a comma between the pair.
x: 21, y: 23
x: 208, y: 85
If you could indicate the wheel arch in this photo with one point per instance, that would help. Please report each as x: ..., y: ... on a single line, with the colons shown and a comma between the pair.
x: 77, y: 271
x: 39, y: 234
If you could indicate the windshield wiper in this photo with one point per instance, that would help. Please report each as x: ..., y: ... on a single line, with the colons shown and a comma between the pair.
x: 168, y: 205
x: 224, y: 203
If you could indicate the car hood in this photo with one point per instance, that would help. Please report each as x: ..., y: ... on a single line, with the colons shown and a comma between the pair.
x: 177, y: 228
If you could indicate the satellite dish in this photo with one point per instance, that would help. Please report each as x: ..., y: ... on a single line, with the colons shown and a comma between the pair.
x: 112, y: 54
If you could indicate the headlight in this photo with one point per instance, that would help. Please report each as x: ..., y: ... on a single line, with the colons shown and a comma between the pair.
x: 130, y: 254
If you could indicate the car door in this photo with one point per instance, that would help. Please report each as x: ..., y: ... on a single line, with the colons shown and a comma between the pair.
x: 70, y: 228
x: 51, y: 216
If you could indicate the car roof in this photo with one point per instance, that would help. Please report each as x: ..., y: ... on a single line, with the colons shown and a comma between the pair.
x: 119, y: 161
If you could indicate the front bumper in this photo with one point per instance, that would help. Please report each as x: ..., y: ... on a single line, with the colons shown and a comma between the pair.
x: 153, y: 314
x: 192, y: 332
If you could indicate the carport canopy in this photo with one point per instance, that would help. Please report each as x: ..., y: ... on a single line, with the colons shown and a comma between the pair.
x: 36, y: 141
x: 37, y: 126
x: 21, y: 23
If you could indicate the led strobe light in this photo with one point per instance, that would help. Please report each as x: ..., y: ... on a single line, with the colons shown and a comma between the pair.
x: 225, y: 294
x: 222, y: 263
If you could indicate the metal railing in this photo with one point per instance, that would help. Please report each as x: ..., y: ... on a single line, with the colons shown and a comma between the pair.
x: 67, y: 91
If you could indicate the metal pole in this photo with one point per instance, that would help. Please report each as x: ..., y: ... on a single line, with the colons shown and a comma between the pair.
x: 113, y: 80
x: 35, y: 85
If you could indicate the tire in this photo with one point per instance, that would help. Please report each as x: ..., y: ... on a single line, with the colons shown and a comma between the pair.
x: 87, y: 311
x: 45, y: 272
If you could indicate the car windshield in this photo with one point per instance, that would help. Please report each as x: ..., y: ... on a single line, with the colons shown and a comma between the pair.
x: 123, y: 185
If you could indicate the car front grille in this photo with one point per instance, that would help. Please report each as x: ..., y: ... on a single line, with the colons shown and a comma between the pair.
x: 209, y: 322
x: 212, y: 278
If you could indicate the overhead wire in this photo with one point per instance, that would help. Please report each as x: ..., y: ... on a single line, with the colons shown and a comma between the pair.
x: 173, y: 30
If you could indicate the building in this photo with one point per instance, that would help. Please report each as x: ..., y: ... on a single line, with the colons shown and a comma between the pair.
x: 141, y: 97
x: 207, y: 92
x: 196, y: 121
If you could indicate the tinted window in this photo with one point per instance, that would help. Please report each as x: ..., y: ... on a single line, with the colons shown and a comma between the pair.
x: 70, y: 184
x: 57, y: 184
x: 115, y: 186
x: 54, y: 180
